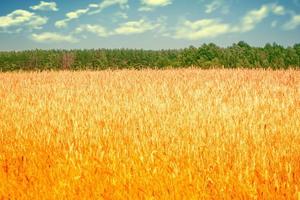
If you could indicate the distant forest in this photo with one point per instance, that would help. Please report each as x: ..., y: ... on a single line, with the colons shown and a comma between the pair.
x: 240, y: 55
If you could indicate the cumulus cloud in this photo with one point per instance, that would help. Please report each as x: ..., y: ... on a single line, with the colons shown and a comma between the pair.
x: 70, y: 16
x: 149, y: 5
x: 96, y: 29
x: 62, y: 23
x: 278, y: 10
x: 205, y: 28
x: 221, y: 5
x: 90, y: 10
x: 293, y: 23
x: 47, y: 37
x: 19, y: 19
x: 251, y: 19
x: 45, y: 6
x: 127, y: 28
x: 214, y: 5
x: 209, y: 28
x: 254, y: 17
x: 135, y: 27
x: 108, y: 3
x: 76, y: 14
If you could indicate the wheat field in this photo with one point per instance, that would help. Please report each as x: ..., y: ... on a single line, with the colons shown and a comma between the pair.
x: 150, y: 134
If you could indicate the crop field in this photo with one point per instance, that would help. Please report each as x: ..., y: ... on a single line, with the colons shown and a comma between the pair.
x: 150, y: 134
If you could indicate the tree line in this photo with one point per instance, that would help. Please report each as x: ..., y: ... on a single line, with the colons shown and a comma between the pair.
x: 238, y: 55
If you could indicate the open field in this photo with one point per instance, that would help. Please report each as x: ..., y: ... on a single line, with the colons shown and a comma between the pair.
x: 172, y: 134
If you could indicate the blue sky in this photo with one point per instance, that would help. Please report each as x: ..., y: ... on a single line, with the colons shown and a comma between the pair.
x: 148, y: 24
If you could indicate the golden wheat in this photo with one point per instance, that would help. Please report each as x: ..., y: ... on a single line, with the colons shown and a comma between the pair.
x: 172, y: 134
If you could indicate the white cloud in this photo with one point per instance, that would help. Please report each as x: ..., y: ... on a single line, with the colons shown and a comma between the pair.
x: 93, y: 5
x: 135, y: 27
x: 45, y: 6
x: 48, y: 37
x: 205, y: 28
x: 91, y: 9
x: 62, y: 23
x: 214, y: 5
x: 96, y: 29
x: 76, y: 14
x: 145, y: 9
x: 209, y: 28
x: 156, y: 2
x: 21, y: 18
x: 70, y: 16
x: 293, y: 23
x: 251, y: 19
x: 108, y: 3
x: 127, y: 28
x: 149, y: 5
x: 254, y: 17
x: 278, y: 10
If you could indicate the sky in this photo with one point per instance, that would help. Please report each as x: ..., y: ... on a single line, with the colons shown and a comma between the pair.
x: 146, y: 24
